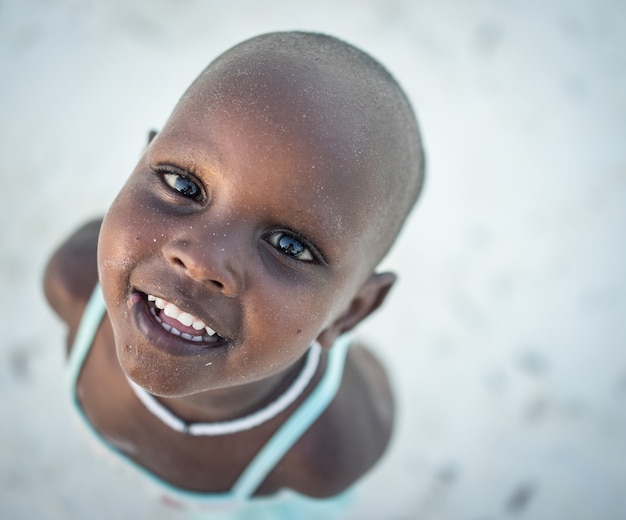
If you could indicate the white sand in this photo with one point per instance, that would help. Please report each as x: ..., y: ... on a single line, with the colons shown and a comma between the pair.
x: 506, y: 336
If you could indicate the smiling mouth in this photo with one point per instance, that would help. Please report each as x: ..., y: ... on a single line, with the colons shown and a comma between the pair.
x: 181, y: 323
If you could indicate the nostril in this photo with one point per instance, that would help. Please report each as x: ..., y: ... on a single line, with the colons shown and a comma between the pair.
x: 195, y: 263
x: 190, y: 268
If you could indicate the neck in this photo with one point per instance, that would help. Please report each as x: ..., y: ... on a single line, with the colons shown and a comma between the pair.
x: 234, y: 402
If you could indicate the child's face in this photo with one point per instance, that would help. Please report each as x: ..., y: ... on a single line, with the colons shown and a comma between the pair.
x: 247, y: 215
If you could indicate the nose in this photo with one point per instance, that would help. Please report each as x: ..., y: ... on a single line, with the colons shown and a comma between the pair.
x: 208, y: 263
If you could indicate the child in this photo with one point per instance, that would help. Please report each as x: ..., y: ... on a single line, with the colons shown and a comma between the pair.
x: 212, y: 353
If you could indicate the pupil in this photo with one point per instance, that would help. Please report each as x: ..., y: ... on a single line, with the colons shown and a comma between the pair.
x: 290, y: 245
x: 186, y: 187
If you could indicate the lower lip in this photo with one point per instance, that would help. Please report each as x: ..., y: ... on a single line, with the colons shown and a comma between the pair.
x: 163, y: 340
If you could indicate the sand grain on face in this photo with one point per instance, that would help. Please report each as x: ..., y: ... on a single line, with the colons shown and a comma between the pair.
x: 520, y: 107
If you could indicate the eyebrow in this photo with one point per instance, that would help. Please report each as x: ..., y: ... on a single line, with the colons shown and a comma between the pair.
x: 323, y: 231
x: 194, y: 161
x: 205, y: 160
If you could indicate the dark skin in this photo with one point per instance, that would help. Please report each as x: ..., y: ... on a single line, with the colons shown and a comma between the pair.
x: 216, y: 253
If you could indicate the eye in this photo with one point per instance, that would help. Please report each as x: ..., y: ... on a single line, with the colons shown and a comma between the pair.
x: 183, y: 185
x: 290, y: 246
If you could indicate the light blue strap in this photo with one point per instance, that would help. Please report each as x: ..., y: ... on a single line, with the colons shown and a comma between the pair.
x: 269, y: 455
x: 89, y: 324
x: 293, y: 428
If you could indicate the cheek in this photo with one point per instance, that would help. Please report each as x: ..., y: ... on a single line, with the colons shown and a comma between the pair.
x: 290, y: 315
x: 125, y: 237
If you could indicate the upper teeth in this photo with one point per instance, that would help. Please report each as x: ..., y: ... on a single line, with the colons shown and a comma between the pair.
x: 171, y: 310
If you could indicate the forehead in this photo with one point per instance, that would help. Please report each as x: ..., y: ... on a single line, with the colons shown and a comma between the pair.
x: 285, y: 140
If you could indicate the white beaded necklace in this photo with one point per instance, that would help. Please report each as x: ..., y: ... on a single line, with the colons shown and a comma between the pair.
x: 242, y: 423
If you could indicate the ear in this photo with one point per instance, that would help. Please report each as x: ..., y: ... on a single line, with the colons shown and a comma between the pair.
x: 369, y: 297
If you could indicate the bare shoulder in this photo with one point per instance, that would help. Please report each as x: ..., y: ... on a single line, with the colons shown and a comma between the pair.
x: 352, y: 435
x: 71, y: 273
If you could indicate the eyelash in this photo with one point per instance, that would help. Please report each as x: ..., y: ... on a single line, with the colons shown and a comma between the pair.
x: 310, y: 253
x: 171, y: 176
x: 273, y: 237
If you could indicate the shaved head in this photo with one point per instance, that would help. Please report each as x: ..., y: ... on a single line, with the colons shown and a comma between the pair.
x: 336, y: 97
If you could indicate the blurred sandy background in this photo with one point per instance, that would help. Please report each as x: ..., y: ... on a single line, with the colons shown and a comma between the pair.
x: 506, y: 337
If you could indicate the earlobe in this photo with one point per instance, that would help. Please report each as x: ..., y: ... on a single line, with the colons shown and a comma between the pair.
x: 369, y: 298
